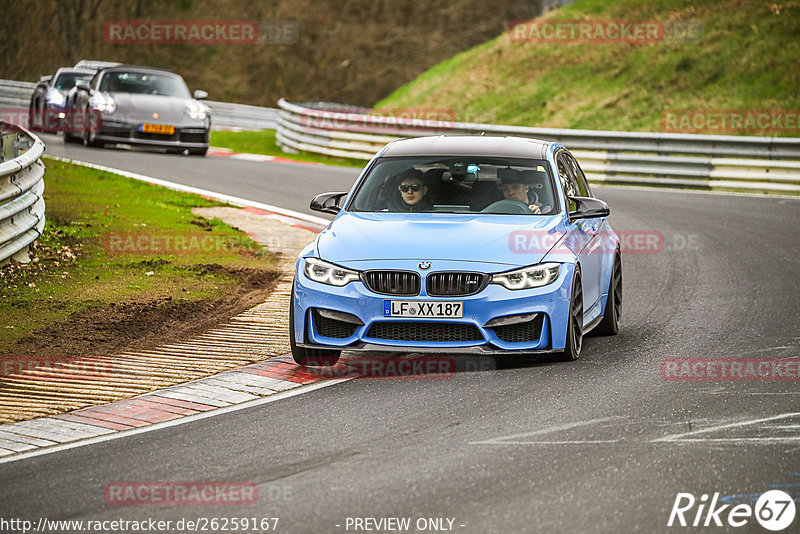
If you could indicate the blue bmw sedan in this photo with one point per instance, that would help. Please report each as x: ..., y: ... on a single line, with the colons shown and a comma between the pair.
x: 462, y: 245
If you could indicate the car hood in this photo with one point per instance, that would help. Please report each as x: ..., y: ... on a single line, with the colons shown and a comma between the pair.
x: 480, y: 238
x: 139, y: 107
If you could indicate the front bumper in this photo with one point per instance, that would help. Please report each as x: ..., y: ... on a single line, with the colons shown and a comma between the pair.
x: 127, y: 132
x: 547, y: 307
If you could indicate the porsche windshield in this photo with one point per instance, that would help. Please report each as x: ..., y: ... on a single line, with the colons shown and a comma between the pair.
x: 458, y: 185
x: 147, y: 83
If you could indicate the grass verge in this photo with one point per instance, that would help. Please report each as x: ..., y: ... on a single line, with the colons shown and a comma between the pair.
x: 744, y: 59
x: 263, y: 142
x: 122, y: 258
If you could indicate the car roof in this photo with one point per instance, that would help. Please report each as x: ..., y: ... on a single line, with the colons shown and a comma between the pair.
x: 95, y: 65
x: 468, y: 145
x: 134, y: 68
x: 73, y: 70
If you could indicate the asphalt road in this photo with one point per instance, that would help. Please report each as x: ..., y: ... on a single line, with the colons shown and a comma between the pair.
x: 603, y: 444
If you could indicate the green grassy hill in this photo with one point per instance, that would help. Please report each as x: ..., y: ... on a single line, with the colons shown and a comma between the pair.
x: 747, y: 58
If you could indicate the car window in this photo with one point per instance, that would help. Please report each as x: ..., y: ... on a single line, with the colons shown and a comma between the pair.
x: 457, y: 185
x: 568, y: 183
x: 580, y: 178
x: 146, y: 83
x: 67, y: 80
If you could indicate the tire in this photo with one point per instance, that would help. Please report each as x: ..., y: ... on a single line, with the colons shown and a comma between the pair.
x: 68, y: 137
x: 198, y: 151
x: 305, y: 356
x: 34, y: 119
x: 88, y: 136
x: 572, y: 348
x: 609, y: 325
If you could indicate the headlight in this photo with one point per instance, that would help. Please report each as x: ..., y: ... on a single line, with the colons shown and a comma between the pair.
x: 55, y: 98
x: 196, y: 110
x: 533, y: 276
x: 328, y: 273
x: 103, y: 102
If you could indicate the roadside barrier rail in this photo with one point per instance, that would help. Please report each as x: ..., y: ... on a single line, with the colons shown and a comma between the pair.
x: 768, y: 164
x: 22, y: 207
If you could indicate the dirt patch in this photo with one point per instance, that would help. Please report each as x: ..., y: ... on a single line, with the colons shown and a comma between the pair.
x: 137, y: 325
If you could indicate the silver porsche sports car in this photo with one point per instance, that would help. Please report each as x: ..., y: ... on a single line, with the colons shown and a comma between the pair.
x: 140, y: 106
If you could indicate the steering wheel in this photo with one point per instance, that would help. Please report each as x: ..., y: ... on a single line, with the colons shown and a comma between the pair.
x: 508, y: 206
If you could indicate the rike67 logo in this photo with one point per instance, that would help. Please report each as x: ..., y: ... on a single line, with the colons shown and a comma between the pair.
x: 774, y: 510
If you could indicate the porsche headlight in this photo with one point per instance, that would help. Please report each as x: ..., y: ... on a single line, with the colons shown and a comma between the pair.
x: 328, y: 273
x: 528, y: 277
x: 196, y: 110
x: 103, y: 102
x: 55, y: 98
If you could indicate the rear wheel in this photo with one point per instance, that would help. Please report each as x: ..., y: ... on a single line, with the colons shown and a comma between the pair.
x: 305, y: 356
x: 609, y: 326
x: 572, y: 349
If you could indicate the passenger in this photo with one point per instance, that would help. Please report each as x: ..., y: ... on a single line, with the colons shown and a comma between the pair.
x: 412, y: 193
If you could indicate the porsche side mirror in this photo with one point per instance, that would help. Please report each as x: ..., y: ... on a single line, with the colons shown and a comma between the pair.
x: 82, y: 86
x: 200, y: 95
x: 327, y: 202
x: 587, y: 208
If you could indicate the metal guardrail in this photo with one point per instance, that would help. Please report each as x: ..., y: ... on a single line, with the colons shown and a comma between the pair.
x: 224, y: 116
x: 21, y: 188
x: 659, y: 159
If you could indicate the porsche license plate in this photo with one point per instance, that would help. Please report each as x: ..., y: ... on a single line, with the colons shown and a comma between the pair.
x: 164, y: 129
x: 414, y: 308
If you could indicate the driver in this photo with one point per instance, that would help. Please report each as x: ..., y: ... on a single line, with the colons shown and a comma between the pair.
x: 517, y: 186
x: 412, y: 193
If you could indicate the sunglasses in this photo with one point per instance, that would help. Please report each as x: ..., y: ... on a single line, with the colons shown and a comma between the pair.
x: 405, y: 188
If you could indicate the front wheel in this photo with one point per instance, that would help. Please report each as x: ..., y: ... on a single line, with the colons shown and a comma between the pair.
x: 198, y: 151
x: 572, y: 349
x: 305, y: 356
x: 89, y: 137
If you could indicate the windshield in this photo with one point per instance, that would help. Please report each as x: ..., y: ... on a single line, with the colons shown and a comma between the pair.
x: 67, y: 80
x: 146, y: 83
x: 451, y: 184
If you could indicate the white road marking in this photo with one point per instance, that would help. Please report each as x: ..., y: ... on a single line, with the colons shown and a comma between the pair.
x: 680, y: 437
x: 174, y: 422
x: 514, y: 439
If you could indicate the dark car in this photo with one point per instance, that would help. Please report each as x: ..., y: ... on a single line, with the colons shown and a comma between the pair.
x: 49, y: 100
x: 141, y: 106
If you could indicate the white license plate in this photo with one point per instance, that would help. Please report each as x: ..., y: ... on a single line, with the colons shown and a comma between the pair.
x: 417, y: 308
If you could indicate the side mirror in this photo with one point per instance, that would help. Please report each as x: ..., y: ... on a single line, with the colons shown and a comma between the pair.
x: 82, y: 86
x: 327, y: 202
x: 44, y: 80
x: 200, y: 95
x: 587, y: 208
